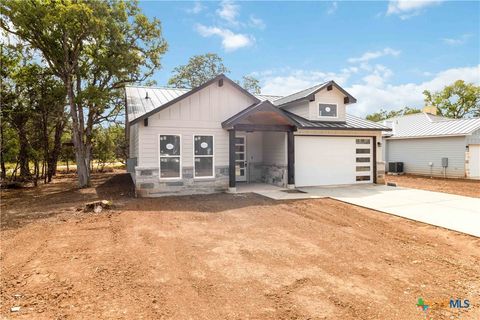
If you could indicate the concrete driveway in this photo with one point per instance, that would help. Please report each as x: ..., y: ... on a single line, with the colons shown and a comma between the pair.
x: 450, y: 211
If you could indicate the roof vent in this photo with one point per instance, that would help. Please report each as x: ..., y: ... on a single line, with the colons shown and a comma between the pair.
x: 146, y: 95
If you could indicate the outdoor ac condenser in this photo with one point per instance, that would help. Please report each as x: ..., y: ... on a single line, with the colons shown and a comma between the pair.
x: 395, y: 167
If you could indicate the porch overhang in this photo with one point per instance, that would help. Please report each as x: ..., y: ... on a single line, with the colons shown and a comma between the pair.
x: 263, y: 116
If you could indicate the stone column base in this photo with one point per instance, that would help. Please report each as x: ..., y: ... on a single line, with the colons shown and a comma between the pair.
x: 290, y: 186
x: 232, y: 190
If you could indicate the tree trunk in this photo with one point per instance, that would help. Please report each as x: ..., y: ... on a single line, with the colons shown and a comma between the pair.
x: 54, y: 154
x: 83, y: 172
x: 3, y: 175
x: 23, y: 153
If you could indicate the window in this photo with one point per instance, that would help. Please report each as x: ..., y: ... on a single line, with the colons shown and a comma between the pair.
x: 363, y: 159
x: 363, y: 168
x: 170, y: 156
x: 203, y: 156
x: 363, y: 141
x: 363, y: 151
x: 363, y: 178
x: 327, y: 110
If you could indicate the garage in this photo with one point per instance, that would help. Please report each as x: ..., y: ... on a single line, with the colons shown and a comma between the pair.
x: 333, y: 160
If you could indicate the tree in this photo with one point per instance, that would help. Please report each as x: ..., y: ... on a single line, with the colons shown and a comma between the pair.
x: 458, y: 100
x: 384, y: 114
x: 251, y: 84
x: 197, y: 71
x: 94, y: 47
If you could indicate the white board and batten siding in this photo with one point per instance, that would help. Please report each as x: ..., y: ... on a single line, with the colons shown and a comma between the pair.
x: 201, y: 113
x: 417, y: 153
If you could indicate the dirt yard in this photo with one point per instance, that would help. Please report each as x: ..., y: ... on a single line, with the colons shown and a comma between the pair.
x: 463, y: 187
x: 224, y: 257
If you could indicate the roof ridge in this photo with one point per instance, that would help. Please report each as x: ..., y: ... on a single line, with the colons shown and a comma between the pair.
x: 156, y: 87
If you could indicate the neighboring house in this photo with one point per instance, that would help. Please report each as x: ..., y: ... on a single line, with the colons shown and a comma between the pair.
x: 421, y: 140
x: 218, y: 135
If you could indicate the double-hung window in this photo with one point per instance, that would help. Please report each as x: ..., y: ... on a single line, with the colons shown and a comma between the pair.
x: 170, y: 156
x: 203, y: 156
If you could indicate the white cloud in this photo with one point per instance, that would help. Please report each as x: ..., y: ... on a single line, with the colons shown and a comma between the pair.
x: 457, y: 41
x: 197, y: 8
x: 372, y: 89
x: 230, y: 41
x: 256, y: 22
x: 333, y: 8
x: 372, y: 98
x: 370, y: 55
x: 229, y: 11
x: 408, y: 8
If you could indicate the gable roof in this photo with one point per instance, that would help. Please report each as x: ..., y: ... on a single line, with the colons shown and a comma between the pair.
x: 261, y: 107
x: 428, y: 125
x: 307, y: 93
x: 139, y: 107
x: 350, y: 123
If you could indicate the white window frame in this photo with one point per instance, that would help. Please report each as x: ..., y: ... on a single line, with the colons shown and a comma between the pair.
x: 203, y: 156
x: 333, y: 104
x: 160, y: 156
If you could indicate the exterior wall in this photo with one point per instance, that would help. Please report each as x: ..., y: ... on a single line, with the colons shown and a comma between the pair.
x: 275, y: 158
x: 254, y: 155
x: 474, y: 138
x: 416, y: 153
x: 133, y: 141
x: 301, y: 108
x: 325, y: 96
x: 201, y: 113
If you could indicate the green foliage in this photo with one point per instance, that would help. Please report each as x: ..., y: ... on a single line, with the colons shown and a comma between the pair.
x: 94, y: 47
x: 384, y: 114
x: 109, y: 144
x: 251, y: 84
x: 458, y: 100
x: 197, y: 71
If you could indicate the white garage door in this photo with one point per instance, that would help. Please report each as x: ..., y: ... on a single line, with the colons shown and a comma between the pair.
x: 332, y: 160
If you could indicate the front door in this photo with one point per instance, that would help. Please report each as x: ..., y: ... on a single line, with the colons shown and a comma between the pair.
x: 241, y: 158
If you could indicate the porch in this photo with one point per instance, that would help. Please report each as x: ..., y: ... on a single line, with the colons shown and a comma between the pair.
x: 261, y: 147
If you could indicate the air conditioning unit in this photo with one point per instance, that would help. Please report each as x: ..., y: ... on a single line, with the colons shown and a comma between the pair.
x: 395, y: 167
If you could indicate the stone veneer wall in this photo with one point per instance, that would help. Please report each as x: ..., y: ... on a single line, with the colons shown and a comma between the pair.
x: 380, y: 172
x: 147, y: 183
x: 268, y: 173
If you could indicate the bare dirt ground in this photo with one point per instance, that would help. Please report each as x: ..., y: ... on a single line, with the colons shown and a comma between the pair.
x: 463, y: 187
x: 224, y: 257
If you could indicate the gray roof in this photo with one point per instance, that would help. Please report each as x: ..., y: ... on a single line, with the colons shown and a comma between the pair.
x: 307, y: 93
x: 157, y: 96
x: 351, y: 123
x: 428, y: 125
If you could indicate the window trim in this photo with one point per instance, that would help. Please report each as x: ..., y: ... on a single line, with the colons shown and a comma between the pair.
x: 160, y: 157
x: 203, y: 156
x: 331, y: 103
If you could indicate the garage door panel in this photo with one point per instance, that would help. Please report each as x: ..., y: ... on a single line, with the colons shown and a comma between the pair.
x: 327, y: 160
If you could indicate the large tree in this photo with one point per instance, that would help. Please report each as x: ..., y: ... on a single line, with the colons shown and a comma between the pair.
x: 458, y: 100
x: 94, y: 47
x: 384, y: 114
x: 197, y: 71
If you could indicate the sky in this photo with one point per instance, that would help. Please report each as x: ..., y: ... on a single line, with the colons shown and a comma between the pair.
x: 384, y: 53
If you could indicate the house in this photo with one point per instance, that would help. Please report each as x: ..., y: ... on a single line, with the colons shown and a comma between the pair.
x: 423, y: 139
x: 219, y: 136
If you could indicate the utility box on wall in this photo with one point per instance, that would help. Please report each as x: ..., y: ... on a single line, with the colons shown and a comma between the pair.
x: 444, y: 162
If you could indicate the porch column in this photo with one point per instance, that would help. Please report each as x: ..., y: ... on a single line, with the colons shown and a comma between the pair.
x: 291, y: 158
x: 231, y: 160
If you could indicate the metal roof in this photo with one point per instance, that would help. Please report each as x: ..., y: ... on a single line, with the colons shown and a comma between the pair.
x: 428, y: 125
x: 307, y: 93
x: 157, y: 96
x: 351, y: 123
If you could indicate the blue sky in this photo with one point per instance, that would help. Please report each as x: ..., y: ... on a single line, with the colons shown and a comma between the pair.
x: 384, y: 53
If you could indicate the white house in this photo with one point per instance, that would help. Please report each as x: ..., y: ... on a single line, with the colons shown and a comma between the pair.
x: 218, y: 135
x: 422, y: 140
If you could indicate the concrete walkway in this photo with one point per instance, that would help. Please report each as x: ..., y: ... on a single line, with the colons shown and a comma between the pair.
x: 450, y: 211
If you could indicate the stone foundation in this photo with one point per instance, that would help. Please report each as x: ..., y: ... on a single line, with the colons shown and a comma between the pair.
x: 147, y: 183
x: 381, y: 172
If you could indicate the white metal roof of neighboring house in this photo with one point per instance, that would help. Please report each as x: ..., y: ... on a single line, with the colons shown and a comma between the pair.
x: 428, y: 125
